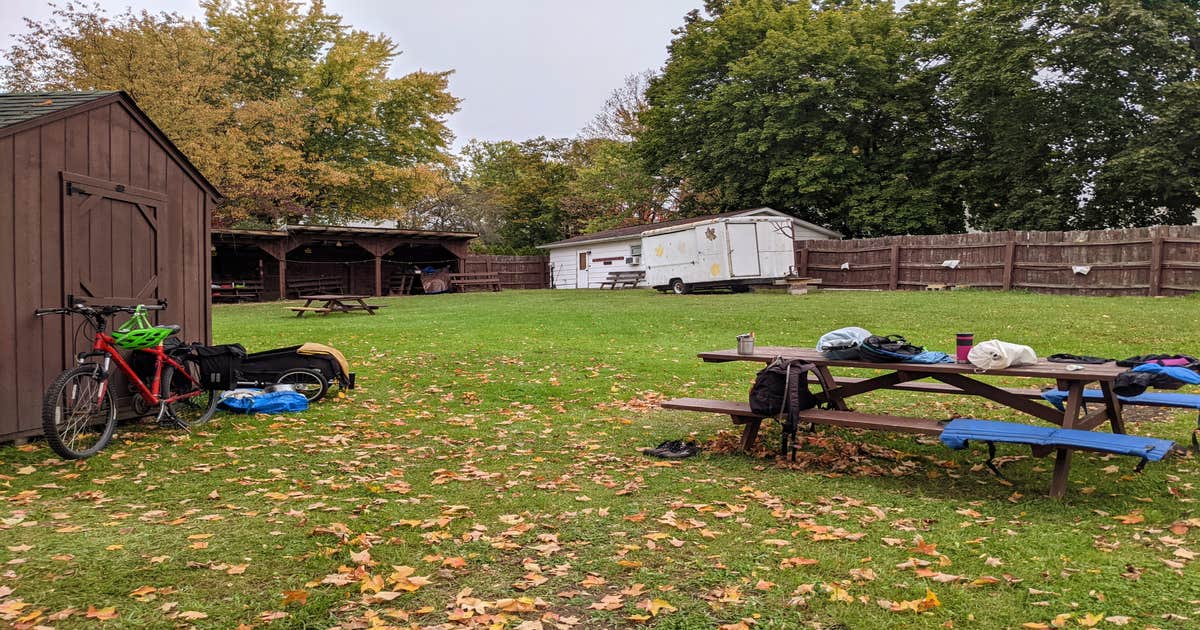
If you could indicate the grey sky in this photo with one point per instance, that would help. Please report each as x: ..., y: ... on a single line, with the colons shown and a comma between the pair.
x: 523, y: 68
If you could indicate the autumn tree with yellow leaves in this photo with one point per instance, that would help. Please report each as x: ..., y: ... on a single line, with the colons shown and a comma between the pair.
x: 290, y: 112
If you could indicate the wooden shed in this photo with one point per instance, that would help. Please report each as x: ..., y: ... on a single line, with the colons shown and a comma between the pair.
x: 96, y: 202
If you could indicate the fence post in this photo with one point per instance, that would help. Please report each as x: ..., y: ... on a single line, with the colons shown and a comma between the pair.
x: 1156, y: 259
x: 1010, y: 260
x: 894, y: 271
x: 802, y: 270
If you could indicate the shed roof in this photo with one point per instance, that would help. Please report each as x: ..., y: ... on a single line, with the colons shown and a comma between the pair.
x: 636, y: 230
x: 23, y: 110
x: 18, y: 107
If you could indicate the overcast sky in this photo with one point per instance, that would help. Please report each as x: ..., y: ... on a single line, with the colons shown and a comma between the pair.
x: 524, y: 68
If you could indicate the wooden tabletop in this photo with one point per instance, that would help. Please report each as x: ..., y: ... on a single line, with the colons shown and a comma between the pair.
x: 334, y: 297
x: 1105, y: 372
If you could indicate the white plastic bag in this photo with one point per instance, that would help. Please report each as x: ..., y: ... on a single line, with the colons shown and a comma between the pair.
x: 997, y: 355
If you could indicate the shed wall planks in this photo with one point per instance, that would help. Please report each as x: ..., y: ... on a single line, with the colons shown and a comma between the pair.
x: 109, y: 140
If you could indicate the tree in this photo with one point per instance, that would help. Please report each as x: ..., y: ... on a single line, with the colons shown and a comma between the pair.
x: 619, y: 118
x: 826, y: 112
x: 525, y: 183
x: 872, y: 119
x: 1058, y: 111
x: 288, y: 111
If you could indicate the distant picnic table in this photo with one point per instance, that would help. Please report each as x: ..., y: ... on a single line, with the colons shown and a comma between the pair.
x: 335, y: 304
x: 952, y: 378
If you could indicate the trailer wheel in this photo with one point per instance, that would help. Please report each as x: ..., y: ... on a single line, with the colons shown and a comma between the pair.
x: 309, y: 382
x: 680, y: 287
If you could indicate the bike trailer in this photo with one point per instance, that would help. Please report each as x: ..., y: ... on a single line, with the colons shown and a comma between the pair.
x: 268, y: 365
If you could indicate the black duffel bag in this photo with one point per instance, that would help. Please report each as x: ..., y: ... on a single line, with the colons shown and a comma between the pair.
x: 219, y: 365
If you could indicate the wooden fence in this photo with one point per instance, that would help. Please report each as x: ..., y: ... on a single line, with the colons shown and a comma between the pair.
x: 1163, y: 260
x: 516, y: 272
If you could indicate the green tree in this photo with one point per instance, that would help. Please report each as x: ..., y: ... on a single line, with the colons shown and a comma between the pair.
x: 827, y: 112
x: 525, y: 183
x: 291, y: 113
x: 1065, y: 114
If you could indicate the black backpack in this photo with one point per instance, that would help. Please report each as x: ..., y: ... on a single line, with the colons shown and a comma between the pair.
x: 889, y: 349
x: 780, y: 391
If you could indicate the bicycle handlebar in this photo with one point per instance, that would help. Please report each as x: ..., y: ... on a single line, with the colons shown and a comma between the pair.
x: 84, y: 309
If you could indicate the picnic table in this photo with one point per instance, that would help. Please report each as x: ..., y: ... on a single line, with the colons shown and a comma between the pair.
x: 951, y: 378
x: 335, y: 304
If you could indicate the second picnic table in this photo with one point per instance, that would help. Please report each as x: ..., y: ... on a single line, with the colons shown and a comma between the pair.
x: 335, y: 304
x: 953, y: 378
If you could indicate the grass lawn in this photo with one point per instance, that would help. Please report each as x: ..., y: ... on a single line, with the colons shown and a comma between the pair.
x: 486, y: 472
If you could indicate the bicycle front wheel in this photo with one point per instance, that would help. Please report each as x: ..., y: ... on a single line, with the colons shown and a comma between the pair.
x: 77, y: 420
x: 194, y: 410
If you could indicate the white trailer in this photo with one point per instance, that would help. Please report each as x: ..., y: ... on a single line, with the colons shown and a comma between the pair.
x: 728, y: 253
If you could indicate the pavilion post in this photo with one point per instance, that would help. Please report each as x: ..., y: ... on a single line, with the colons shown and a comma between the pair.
x: 378, y: 275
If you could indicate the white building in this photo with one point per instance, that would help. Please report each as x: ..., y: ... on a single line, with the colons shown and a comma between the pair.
x: 585, y: 261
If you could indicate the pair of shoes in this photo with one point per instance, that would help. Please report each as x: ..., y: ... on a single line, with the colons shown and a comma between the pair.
x: 673, y: 449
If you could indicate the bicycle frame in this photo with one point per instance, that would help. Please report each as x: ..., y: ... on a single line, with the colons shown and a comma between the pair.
x: 103, y: 346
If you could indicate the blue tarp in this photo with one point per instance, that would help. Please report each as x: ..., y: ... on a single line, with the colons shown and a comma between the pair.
x: 265, y: 402
x: 958, y: 432
x: 1058, y: 397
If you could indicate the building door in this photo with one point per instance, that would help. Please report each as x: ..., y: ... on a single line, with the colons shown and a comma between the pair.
x: 111, y: 242
x: 743, y: 249
x: 581, y: 274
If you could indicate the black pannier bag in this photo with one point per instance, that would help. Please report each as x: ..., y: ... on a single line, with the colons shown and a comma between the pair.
x: 780, y: 391
x: 219, y: 365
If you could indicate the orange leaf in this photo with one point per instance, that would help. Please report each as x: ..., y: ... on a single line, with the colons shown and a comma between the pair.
x: 295, y: 597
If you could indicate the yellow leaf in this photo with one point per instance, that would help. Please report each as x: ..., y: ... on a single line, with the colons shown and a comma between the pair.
x: 1090, y: 619
x: 103, y: 614
x: 839, y: 594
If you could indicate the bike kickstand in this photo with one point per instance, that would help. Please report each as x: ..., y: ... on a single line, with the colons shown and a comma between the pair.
x: 168, y: 419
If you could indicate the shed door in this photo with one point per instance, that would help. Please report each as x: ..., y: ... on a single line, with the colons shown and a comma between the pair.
x: 743, y: 249
x: 112, y: 247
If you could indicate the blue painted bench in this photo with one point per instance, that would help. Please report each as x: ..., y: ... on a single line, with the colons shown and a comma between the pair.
x: 957, y: 433
x: 1178, y: 400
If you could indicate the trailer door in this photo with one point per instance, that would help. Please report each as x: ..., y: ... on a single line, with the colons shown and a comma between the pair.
x: 743, y: 249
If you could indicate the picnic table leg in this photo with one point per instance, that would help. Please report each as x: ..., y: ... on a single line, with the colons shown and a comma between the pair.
x: 366, y: 307
x: 307, y: 303
x: 750, y: 427
x: 1113, y: 407
x: 1062, y: 460
x: 835, y: 398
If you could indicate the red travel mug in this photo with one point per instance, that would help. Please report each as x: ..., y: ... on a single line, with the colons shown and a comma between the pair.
x: 963, y: 344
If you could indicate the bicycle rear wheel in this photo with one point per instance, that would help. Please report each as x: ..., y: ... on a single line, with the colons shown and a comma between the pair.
x: 77, y: 422
x: 194, y: 410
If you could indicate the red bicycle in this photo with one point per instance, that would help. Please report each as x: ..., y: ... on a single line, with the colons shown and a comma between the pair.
x: 79, y: 414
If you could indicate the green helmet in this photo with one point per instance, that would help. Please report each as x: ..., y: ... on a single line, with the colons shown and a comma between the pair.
x: 139, y: 333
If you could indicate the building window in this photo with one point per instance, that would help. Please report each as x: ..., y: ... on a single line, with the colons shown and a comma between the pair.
x: 582, y: 261
x: 635, y: 250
